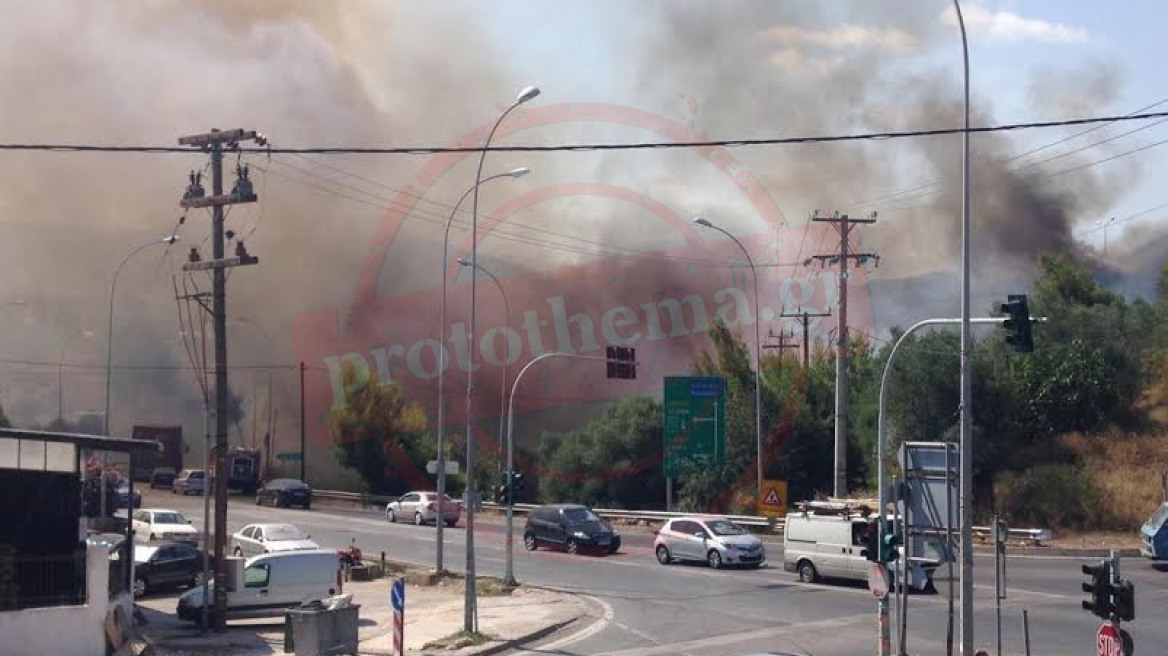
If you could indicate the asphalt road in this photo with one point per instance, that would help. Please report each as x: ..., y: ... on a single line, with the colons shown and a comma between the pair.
x: 646, y: 609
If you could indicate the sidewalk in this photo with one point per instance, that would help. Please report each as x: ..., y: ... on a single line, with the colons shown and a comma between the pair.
x: 433, y: 612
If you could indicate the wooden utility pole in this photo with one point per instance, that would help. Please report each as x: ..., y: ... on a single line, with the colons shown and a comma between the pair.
x: 783, y: 343
x: 214, y: 143
x: 844, y: 225
x: 804, y: 318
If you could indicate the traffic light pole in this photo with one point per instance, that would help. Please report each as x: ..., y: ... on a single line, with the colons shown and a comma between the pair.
x: 509, y: 570
x: 881, y: 456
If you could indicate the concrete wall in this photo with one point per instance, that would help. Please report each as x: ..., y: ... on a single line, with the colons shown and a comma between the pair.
x: 63, y: 630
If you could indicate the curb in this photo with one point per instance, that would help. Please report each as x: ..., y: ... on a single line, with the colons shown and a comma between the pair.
x: 498, y: 647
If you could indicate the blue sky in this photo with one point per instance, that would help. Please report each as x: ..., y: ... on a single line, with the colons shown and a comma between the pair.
x: 1030, y: 60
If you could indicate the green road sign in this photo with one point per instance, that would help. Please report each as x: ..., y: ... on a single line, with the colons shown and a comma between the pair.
x: 288, y: 457
x: 695, y: 421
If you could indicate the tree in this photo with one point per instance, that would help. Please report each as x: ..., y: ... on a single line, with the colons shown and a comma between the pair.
x: 380, y: 434
x: 614, y: 461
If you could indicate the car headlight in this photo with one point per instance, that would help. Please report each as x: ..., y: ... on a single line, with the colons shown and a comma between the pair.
x: 580, y: 534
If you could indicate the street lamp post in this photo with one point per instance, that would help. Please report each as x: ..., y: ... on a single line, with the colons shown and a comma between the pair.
x: 508, y: 579
x: 109, y: 333
x: 470, y: 613
x: 509, y: 573
x: 514, y: 174
x: 757, y: 351
x: 966, y: 409
x: 881, y: 454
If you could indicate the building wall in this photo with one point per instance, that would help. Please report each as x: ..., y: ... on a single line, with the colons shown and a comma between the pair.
x: 63, y: 630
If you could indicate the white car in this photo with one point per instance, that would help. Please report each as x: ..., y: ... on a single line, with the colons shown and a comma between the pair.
x: 256, y: 539
x: 716, y: 541
x: 422, y: 508
x: 157, y: 524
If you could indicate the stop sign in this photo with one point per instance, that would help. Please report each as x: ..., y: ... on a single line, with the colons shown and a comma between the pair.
x: 1107, y: 641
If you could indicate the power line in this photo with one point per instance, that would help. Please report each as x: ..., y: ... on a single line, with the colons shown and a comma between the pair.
x: 589, y: 147
x: 508, y: 231
x: 913, y: 192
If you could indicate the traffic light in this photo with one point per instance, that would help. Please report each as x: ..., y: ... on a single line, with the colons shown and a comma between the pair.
x: 621, y: 362
x: 1124, y: 600
x: 501, y: 494
x: 1017, y: 326
x: 517, y: 483
x: 1099, y: 588
x: 889, y: 551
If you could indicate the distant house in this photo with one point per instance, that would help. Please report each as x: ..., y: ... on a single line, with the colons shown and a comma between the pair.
x: 58, y: 590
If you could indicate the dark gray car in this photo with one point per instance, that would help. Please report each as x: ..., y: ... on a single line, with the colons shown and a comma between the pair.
x: 571, y: 527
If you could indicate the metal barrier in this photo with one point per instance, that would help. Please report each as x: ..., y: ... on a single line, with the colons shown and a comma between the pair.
x: 1035, y: 536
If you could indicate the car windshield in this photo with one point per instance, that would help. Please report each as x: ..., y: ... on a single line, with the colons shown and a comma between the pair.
x: 169, y: 518
x: 581, y: 515
x: 283, y: 532
x: 725, y: 527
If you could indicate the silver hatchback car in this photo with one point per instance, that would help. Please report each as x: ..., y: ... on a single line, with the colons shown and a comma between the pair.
x: 718, y: 542
x: 422, y: 508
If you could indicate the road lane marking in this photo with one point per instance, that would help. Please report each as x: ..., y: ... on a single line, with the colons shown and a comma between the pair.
x: 601, y: 623
x: 720, y: 641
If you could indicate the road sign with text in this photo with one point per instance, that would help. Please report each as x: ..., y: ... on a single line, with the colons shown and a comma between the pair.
x: 1107, y: 641
x: 695, y: 422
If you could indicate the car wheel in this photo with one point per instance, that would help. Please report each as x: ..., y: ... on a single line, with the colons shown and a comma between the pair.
x: 714, y: 559
x: 390, y: 515
x: 237, y: 552
x: 140, y: 586
x: 663, y: 556
x: 573, y: 547
x: 259, y: 502
x: 530, y: 542
x: 807, y: 573
x: 174, y: 490
x: 418, y: 521
x: 308, y: 506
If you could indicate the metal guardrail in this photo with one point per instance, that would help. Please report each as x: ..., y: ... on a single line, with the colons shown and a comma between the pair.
x: 1035, y: 536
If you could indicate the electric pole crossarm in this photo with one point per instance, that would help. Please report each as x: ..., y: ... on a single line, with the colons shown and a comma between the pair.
x: 225, y: 263
x: 217, y: 201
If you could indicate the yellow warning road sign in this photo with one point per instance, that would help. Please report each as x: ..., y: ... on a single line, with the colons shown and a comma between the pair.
x: 772, y: 498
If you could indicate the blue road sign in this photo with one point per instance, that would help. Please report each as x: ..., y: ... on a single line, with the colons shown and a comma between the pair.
x: 397, y: 596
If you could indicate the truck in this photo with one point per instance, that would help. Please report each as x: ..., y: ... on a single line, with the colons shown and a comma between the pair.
x: 169, y: 436
x: 243, y: 469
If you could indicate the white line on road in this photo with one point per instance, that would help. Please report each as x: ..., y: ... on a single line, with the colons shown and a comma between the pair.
x: 592, y: 629
x: 721, y: 641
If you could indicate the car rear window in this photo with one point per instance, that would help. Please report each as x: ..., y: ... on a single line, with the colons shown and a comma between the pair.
x: 283, y: 533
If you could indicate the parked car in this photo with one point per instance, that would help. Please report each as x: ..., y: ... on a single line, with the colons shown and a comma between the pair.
x: 189, y: 481
x: 285, y: 492
x: 162, y: 478
x: 1154, y: 535
x: 255, y: 539
x: 272, y: 583
x: 156, y: 524
x: 718, y: 542
x: 572, y: 527
x: 124, y: 495
x: 170, y: 564
x: 834, y: 546
x: 422, y: 508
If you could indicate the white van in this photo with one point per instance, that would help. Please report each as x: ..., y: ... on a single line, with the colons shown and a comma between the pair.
x: 833, y: 546
x: 271, y: 583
